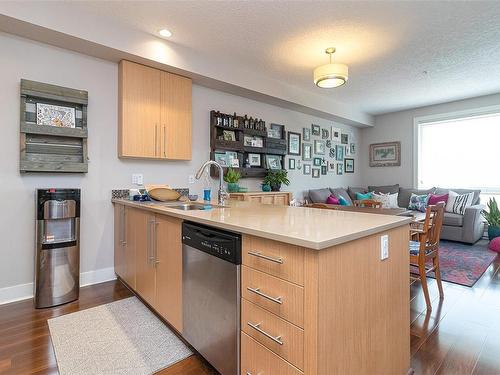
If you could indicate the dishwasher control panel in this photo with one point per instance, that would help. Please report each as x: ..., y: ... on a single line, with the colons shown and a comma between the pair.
x: 222, y: 244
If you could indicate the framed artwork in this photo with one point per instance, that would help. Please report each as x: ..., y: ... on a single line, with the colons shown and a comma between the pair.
x: 220, y: 157
x: 228, y: 135
x: 347, y: 150
x: 328, y: 143
x: 253, y: 141
x: 306, y: 134
x: 306, y: 151
x: 348, y: 165
x: 55, y: 115
x: 273, y: 161
x: 340, y: 168
x: 333, y: 152
x: 232, y: 159
x: 339, y: 153
x: 319, y: 147
x: 386, y: 154
x: 254, y: 160
x: 294, y: 143
x: 276, y: 131
x: 291, y: 163
x: 331, y: 166
x: 324, y: 169
x: 315, y: 172
x: 352, y: 147
x: 315, y: 129
x: 317, y: 162
x: 307, y: 168
x: 335, y: 133
x: 344, y: 138
x: 325, y: 134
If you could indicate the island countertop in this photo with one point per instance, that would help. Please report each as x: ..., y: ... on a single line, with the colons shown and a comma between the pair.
x: 308, y: 227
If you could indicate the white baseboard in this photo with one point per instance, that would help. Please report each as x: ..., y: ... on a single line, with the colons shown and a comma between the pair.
x: 25, y: 291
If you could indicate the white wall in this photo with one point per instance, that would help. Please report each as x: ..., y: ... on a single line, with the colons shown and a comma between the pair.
x: 398, y: 126
x: 21, y: 58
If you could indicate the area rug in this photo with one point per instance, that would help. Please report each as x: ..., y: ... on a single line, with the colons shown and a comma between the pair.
x: 463, y: 264
x: 121, y: 337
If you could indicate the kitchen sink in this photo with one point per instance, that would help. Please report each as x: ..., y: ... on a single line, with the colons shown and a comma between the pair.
x: 195, y: 206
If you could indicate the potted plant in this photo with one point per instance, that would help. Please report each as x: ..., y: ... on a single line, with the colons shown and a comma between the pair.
x: 275, y: 178
x: 492, y: 216
x: 232, y: 177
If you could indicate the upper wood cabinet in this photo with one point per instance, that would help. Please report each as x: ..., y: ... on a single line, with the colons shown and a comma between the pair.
x: 154, y: 113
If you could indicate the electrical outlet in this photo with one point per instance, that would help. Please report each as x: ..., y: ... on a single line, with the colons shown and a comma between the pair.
x: 137, y: 179
x: 191, y: 179
x: 384, y: 247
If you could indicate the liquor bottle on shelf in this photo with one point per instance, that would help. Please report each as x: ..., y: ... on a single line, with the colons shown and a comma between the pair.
x: 218, y: 119
x: 251, y: 123
x: 230, y: 121
x: 246, y: 122
x: 236, y: 122
x: 225, y: 120
x: 263, y: 126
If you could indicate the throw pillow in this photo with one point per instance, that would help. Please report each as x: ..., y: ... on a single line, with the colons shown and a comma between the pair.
x: 435, y: 199
x: 458, y: 203
x: 388, y: 200
x: 332, y: 200
x: 418, y: 202
x: 362, y: 196
x: 495, y: 244
x: 343, y: 201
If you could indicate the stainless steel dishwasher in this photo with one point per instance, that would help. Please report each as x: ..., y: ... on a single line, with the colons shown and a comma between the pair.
x: 211, y: 260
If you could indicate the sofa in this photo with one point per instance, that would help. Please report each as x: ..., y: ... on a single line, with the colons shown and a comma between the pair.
x: 467, y: 228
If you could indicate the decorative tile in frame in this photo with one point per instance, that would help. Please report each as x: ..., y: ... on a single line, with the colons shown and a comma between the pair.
x: 325, y: 134
x: 306, y: 134
x: 306, y: 151
x: 307, y: 168
x: 340, y: 153
x: 232, y: 159
x: 335, y: 133
x: 220, y: 157
x: 291, y: 163
x: 294, y: 143
x: 315, y: 172
x: 348, y: 165
x: 317, y: 162
x: 319, y: 147
x: 344, y: 138
x: 55, y: 115
x: 331, y: 167
x: 254, y: 160
x: 333, y: 151
x: 340, y: 168
x: 324, y: 169
x: 274, y: 162
x: 386, y: 154
x: 315, y: 129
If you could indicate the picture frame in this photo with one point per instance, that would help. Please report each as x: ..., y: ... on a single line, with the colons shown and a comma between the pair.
x: 387, y: 154
x: 335, y: 134
x: 229, y: 135
x: 332, y: 152
x: 348, y: 165
x: 324, y: 169
x: 291, y: 163
x: 306, y: 134
x: 340, y: 168
x: 232, y: 159
x: 328, y: 143
x: 276, y: 131
x: 331, y: 166
x: 306, y: 151
x: 339, y: 155
x: 317, y: 162
x: 319, y: 147
x: 344, y: 138
x: 315, y: 129
x: 221, y: 158
x: 55, y: 115
x: 307, y: 169
x: 294, y: 142
x: 253, y: 141
x: 254, y: 160
x: 325, y: 133
x: 347, y: 150
x: 352, y: 148
x: 315, y: 173
x: 274, y: 162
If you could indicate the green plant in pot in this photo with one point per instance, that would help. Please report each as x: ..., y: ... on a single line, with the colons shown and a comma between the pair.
x: 232, y: 177
x: 275, y: 178
x: 492, y: 216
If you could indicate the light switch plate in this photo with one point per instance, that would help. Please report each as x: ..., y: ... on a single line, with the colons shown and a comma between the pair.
x: 191, y: 179
x: 137, y: 179
x: 384, y: 247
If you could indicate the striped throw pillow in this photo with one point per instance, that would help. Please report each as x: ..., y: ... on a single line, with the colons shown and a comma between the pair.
x: 458, y: 203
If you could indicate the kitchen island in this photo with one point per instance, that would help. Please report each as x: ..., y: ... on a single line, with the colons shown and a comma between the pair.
x: 338, y: 308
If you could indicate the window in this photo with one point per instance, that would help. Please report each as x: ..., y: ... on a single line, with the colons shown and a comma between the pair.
x: 459, y: 152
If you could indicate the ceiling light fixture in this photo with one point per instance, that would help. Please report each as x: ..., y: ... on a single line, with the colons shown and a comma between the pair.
x: 331, y: 75
x: 165, y: 33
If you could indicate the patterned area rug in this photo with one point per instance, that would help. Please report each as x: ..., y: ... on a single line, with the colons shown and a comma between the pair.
x: 119, y: 338
x: 464, y: 264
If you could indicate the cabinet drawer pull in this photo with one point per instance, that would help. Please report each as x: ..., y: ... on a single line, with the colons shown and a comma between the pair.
x: 259, y: 293
x: 276, y: 339
x: 258, y: 254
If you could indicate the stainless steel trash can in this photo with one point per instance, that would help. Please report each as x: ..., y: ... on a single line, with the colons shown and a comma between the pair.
x: 57, y: 263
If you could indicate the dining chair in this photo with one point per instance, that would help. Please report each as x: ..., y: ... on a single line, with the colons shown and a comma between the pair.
x: 424, y: 248
x: 368, y: 203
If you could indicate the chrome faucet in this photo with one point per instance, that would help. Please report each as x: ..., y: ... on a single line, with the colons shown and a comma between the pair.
x: 221, y: 194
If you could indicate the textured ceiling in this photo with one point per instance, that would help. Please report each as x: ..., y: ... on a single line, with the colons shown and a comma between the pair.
x: 400, y: 54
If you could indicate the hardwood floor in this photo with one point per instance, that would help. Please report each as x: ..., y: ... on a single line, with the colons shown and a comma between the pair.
x: 461, y: 335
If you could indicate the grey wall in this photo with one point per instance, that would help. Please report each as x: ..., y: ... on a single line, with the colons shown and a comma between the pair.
x: 21, y: 58
x: 398, y: 126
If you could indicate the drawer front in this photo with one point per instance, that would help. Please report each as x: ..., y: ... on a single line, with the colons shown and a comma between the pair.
x: 257, y: 360
x: 281, y: 297
x: 276, y: 334
x: 275, y: 258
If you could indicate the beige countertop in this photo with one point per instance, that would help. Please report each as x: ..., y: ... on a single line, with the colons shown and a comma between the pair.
x: 308, y: 227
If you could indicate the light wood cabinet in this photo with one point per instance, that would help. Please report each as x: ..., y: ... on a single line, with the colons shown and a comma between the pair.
x: 144, y: 254
x: 154, y: 113
x: 124, y: 245
x: 280, y: 198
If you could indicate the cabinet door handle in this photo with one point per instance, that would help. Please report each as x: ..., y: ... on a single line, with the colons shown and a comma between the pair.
x: 124, y: 226
x: 150, y: 242
x: 276, y: 339
x: 258, y: 254
x: 156, y: 139
x: 259, y: 293
x: 155, y: 243
x: 164, y: 141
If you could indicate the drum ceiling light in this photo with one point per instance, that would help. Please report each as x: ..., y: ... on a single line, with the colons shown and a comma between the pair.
x: 331, y: 75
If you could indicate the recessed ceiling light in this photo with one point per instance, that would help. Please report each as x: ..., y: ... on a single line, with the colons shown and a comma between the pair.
x: 165, y: 33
